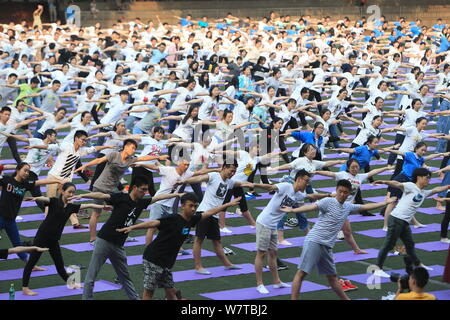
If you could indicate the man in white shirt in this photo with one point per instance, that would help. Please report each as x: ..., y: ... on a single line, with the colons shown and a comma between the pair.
x: 218, y: 183
x: 286, y: 194
x: 398, y: 222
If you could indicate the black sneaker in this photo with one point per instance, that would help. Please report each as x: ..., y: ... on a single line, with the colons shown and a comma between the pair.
x: 282, y: 267
x: 80, y: 226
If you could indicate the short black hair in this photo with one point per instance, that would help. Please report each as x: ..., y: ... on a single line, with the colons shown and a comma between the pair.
x: 302, y: 173
x: 139, y: 181
x: 130, y: 141
x: 344, y: 183
x: 49, y: 132
x: 421, y: 276
x: 189, y: 197
x: 5, y: 108
x: 79, y: 134
x: 420, y: 172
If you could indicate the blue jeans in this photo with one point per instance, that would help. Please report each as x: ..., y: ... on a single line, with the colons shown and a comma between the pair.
x: 398, y: 97
x: 136, y: 130
x: 173, y: 123
x: 445, y: 181
x: 334, y: 133
x: 12, y: 231
x: 443, y: 126
x: 130, y: 122
x: 434, y: 106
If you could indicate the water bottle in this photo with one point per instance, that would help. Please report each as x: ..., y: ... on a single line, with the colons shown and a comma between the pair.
x: 12, y: 292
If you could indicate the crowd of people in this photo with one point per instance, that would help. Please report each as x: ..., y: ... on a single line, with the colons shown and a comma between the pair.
x: 211, y: 104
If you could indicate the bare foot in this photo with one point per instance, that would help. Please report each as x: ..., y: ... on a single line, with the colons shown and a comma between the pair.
x: 26, y: 291
x: 359, y: 251
x: 74, y: 285
x: 36, y: 268
x: 440, y: 207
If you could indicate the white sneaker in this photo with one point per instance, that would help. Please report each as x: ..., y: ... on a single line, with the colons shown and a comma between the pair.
x: 445, y: 240
x: 340, y: 235
x: 261, y: 289
x: 385, y: 229
x: 285, y: 243
x: 291, y: 140
x: 426, y: 267
x: 420, y: 225
x: 281, y: 285
x: 238, y: 211
x: 19, y: 218
x: 203, y: 271
x: 226, y: 230
x: 253, y: 227
x: 381, y: 273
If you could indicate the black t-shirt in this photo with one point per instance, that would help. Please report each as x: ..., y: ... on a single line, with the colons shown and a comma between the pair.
x: 125, y: 213
x: 173, y: 230
x: 12, y: 196
x: 4, y: 254
x: 53, y: 225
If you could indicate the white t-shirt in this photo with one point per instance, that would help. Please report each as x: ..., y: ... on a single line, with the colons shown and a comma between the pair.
x: 356, y: 182
x: 50, y: 122
x: 366, y: 131
x: 8, y: 128
x: 240, y: 113
x: 412, y: 138
x: 216, y: 190
x: 410, y: 201
x: 284, y: 196
x: 115, y: 111
x: 185, y: 130
x: 169, y: 177
x: 37, y: 158
x: 304, y: 163
x: 152, y: 147
x: 67, y: 159
x: 206, y: 110
x: 246, y: 165
x: 184, y: 95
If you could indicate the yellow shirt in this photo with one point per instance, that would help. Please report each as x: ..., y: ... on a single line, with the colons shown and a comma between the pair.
x: 415, y: 296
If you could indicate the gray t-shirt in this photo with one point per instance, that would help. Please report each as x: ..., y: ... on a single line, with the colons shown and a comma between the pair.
x: 7, y: 93
x: 50, y: 100
x: 113, y: 172
x: 149, y: 121
x: 332, y: 216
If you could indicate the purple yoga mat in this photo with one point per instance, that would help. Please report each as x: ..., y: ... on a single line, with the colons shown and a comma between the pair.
x: 86, y: 246
x: 251, y: 293
x: 364, y: 277
x: 379, y: 233
x: 137, y: 260
x: 67, y: 230
x: 31, y: 217
x: 345, y: 256
x: 430, y: 210
x: 61, y: 291
x: 251, y: 246
x: 17, y: 273
x: 432, y: 246
x: 441, y: 295
x: 216, y: 272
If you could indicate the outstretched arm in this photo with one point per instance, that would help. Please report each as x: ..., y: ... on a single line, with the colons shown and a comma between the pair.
x: 166, y: 196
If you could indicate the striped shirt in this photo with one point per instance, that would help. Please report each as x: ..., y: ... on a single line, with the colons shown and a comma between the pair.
x: 67, y: 159
x: 332, y: 216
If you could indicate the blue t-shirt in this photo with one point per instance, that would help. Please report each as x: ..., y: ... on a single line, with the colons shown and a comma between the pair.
x: 184, y: 22
x: 203, y: 24
x: 410, y: 163
x: 415, y: 30
x: 307, y: 137
x: 362, y: 155
x: 157, y: 56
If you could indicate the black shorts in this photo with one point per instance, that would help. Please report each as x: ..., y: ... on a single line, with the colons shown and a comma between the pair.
x: 396, y: 192
x: 208, y: 228
x: 237, y: 192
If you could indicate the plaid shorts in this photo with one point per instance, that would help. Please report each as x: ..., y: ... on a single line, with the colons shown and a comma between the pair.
x: 156, y: 276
